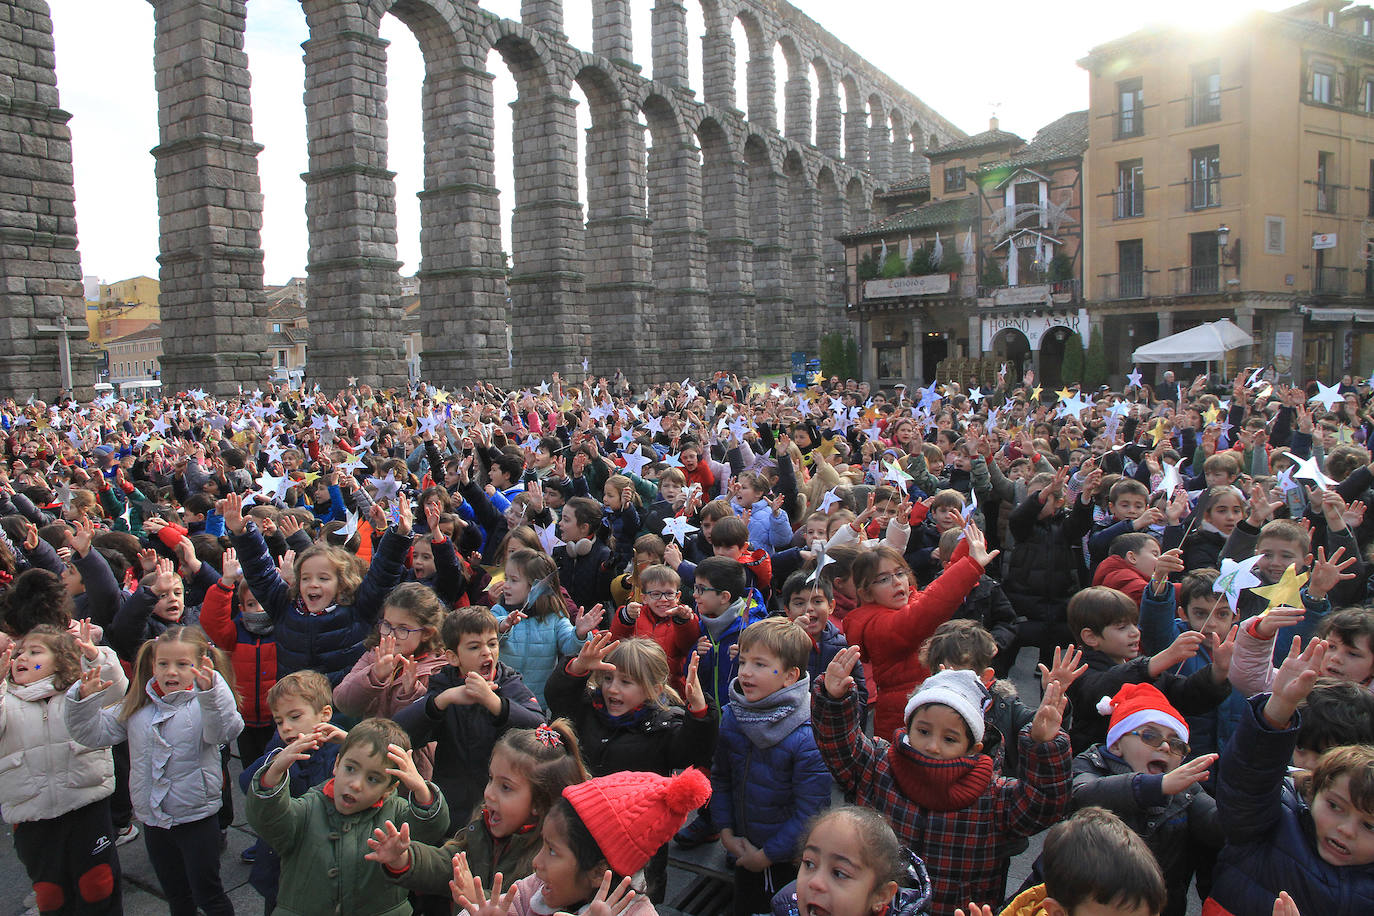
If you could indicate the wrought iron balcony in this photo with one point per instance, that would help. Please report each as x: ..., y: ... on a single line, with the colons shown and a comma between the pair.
x: 1326, y: 198
x: 1331, y: 281
x: 1130, y: 202
x: 1129, y: 285
x: 1196, y: 281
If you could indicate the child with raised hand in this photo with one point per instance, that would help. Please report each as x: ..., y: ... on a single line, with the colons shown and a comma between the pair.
x: 661, y: 617
x: 936, y: 786
x: 1312, y: 839
x: 808, y: 600
x: 1349, y: 634
x: 533, y: 619
x: 1140, y: 775
x: 853, y: 865
x: 322, y: 618
x: 58, y: 797
x: 617, y: 694
x: 403, y: 653
x: 894, y: 618
x: 325, y: 832
x: 179, y: 709
x: 595, y: 841
x: 621, y: 509
x: 433, y: 559
x: 529, y: 769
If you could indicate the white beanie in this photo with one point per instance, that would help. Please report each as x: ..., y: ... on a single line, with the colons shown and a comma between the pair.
x: 961, y: 691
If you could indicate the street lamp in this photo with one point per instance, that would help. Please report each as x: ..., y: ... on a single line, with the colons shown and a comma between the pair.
x: 1223, y: 235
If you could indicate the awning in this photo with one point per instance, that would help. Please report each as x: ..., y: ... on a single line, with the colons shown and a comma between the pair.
x: 1341, y: 314
x: 1205, y: 342
x: 141, y: 383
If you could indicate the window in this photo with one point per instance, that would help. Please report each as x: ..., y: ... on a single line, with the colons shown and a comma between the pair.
x: 1206, y: 102
x: 1030, y: 215
x: 1322, y: 80
x: 276, y: 327
x: 1367, y: 97
x: 1130, y: 189
x: 281, y: 357
x: 1204, y: 181
x: 954, y: 179
x: 1204, y: 266
x: 1326, y: 192
x: 1130, y: 261
x: 1274, y: 242
x: 1130, y: 115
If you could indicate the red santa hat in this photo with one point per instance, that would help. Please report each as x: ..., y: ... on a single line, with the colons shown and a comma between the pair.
x: 1139, y: 704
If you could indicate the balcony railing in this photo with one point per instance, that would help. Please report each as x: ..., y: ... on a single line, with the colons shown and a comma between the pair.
x: 1203, y: 193
x: 1204, y: 109
x: 1129, y: 285
x: 1331, y: 281
x: 1326, y: 199
x: 1196, y: 281
x: 1129, y: 202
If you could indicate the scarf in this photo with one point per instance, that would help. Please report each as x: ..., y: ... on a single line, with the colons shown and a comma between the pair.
x: 769, y: 720
x: 328, y: 790
x: 716, y: 626
x: 624, y: 720
x: 259, y: 623
x: 940, y: 785
x: 42, y: 689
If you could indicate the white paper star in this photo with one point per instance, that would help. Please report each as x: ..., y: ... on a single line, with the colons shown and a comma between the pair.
x: 895, y: 474
x: 634, y: 462
x: 387, y: 487
x: 1235, y: 578
x: 1134, y: 379
x: 828, y: 500
x: 1326, y: 396
x: 350, y: 525
x: 678, y: 528
x: 586, y: 364
x: 672, y: 461
x: 654, y: 425
x: 352, y: 381
x: 1307, y: 470
x: 975, y: 394
x: 1169, y: 480
x: 823, y: 559
x: 548, y: 538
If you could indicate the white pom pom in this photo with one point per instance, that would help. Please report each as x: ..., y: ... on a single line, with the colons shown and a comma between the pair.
x: 1104, y: 706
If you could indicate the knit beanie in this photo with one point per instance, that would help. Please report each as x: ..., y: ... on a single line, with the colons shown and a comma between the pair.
x: 1139, y: 704
x: 631, y: 815
x: 961, y: 691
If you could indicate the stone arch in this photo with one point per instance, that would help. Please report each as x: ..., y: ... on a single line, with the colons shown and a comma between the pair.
x: 768, y: 212
x: 855, y: 124
x: 796, y: 92
x: 857, y: 203
x: 805, y: 239
x: 920, y: 165
x: 901, y: 146
x: 879, y: 140
x: 833, y: 207
x: 829, y: 115
x: 759, y: 76
x: 730, y: 251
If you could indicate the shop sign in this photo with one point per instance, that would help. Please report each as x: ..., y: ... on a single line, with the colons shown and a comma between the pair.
x: 907, y: 286
x: 1034, y: 327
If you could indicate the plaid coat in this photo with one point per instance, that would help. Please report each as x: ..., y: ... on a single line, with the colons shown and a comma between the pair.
x: 966, y: 850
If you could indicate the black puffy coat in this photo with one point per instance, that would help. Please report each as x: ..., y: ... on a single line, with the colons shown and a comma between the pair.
x: 1045, y: 570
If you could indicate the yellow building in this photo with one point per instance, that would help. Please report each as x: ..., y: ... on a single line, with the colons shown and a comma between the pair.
x: 124, y: 308
x: 1231, y: 174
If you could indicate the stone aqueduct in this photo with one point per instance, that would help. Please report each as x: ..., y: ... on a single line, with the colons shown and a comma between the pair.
x: 737, y: 236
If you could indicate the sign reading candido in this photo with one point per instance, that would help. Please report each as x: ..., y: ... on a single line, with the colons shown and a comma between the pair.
x: 906, y: 286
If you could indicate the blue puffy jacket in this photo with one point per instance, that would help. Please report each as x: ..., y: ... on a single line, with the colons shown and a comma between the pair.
x: 1270, y: 845
x: 332, y: 641
x: 534, y: 645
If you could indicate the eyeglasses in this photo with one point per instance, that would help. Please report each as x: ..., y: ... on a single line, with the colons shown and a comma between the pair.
x: 1152, y: 738
x: 661, y: 596
x: 882, y: 581
x: 387, y: 629
x: 703, y: 589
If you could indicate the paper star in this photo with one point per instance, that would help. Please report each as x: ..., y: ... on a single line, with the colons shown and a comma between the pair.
x: 1159, y: 431
x: 678, y: 528
x: 352, y: 381
x: 829, y: 499
x: 1307, y: 470
x: 1210, y: 415
x: 586, y: 364
x: 1287, y: 592
x: 1235, y: 578
x: 823, y: 559
x: 804, y: 408
x: 387, y: 487
x: 837, y: 405
x: 1169, y: 480
x: 972, y: 506
x: 1254, y: 378
x: 544, y: 387
x: 818, y: 378
x: 273, y: 487
x: 654, y: 425
x: 672, y: 461
x: 1074, y: 405
x: 430, y: 424
x: 1064, y: 394
x: 1035, y: 392
x: 350, y: 525
x: 273, y: 453
x: 1134, y: 379
x: 1326, y: 396
x: 975, y: 394
x: 548, y: 538
x: 634, y: 462
x: 352, y: 464
x: 929, y: 397
x: 198, y: 394
x: 895, y: 474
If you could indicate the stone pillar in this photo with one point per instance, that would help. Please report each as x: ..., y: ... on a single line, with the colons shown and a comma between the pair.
x: 868, y: 356
x: 40, y: 269
x: 830, y: 121
x: 352, y: 279
x: 1166, y: 324
x: 808, y: 274
x: 670, y: 52
x: 880, y: 147
x: 548, y: 318
x: 763, y: 107
x: 856, y: 135
x: 901, y: 152
x: 798, y: 116
x: 545, y: 15
x: 772, y: 266
x: 462, y: 269
x: 918, y: 354
x: 611, y: 37
x: 1245, y: 320
x: 730, y: 259
x: 682, y: 297
x: 211, y: 302
x: 620, y: 288
x: 718, y: 66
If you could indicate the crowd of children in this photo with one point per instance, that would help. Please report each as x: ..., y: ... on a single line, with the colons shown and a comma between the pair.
x: 495, y: 652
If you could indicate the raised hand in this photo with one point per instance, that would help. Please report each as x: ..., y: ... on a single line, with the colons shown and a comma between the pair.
x: 91, y: 681
x: 632, y: 610
x: 390, y: 847
x: 1278, y: 618
x: 403, y: 770
x: 1187, y: 774
x: 1294, y: 680
x: 839, y: 679
x: 978, y: 546
x: 1049, y: 718
x: 300, y: 749
x: 205, y: 673
x: 433, y: 511
x: 692, y: 692
x: 1184, y: 647
x: 286, y: 568
x: 1068, y: 667
x: 231, y: 507
x: 1170, y: 562
x: 405, y: 516
x: 1327, y: 574
x: 587, y: 620
x: 608, y: 902
x: 1261, y: 509
x: 592, y: 656
x: 1223, y: 650
x: 461, y: 885
x: 231, y: 570
x: 288, y: 524
x: 84, y: 640
x: 1285, y: 906
x: 479, y: 905
x: 376, y: 516
x: 80, y: 539
x: 384, y: 668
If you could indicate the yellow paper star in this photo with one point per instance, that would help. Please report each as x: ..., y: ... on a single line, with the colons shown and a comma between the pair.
x: 441, y: 396
x: 1287, y: 592
x: 1064, y: 394
x: 1035, y: 393
x: 155, y: 445
x: 497, y: 574
x: 818, y: 378
x: 1159, y: 431
x: 311, y: 477
x: 1211, y: 415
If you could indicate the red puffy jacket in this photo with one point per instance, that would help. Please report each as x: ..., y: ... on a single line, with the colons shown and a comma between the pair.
x: 254, y: 657
x: 1118, y: 573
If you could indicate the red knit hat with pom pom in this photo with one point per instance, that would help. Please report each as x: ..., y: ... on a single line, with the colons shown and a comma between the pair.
x: 631, y: 815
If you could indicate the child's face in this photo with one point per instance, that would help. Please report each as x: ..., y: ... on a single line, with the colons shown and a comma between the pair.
x: 885, y: 512
x: 622, y: 693
x: 810, y: 609
x: 661, y: 598
x: 32, y: 661
x: 1345, y: 834
x: 1118, y: 641
x: 936, y: 730
x: 360, y: 780
x: 1142, y: 758
x: 947, y: 518
x: 891, y: 587
x: 476, y: 652
x: 565, y: 885
x: 1276, y: 556
x: 174, y: 666
x: 611, y: 498
x: 422, y: 559
x: 731, y: 552
x: 319, y: 583
x: 816, y: 531
x: 1219, y: 478
x: 542, y: 458
x: 761, y: 674
x: 669, y: 490
x: 1210, y: 616
x: 1145, y: 559
x: 711, y: 602
x: 553, y: 497
x: 1349, y: 662
x: 833, y: 877
x: 936, y: 466
x: 1128, y: 507
x: 568, y: 527
x: 71, y: 579
x: 405, y: 629
x: 1225, y: 513
x: 706, y: 525
x: 294, y: 716
x: 507, y: 801
x: 516, y: 589
x: 171, y: 604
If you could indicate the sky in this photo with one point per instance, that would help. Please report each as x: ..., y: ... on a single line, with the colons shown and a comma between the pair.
x: 104, y: 53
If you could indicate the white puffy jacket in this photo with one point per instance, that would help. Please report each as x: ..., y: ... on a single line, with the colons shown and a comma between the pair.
x: 43, y: 772
x: 174, y: 741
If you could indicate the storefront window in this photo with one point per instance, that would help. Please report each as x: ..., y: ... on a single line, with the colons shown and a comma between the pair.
x: 891, y: 361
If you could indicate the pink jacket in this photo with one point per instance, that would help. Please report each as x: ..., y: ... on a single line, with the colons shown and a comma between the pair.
x: 360, y: 694
x: 526, y: 904
x: 1252, y: 666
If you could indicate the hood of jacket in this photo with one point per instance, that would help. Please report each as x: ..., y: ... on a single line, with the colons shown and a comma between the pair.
x: 769, y: 720
x: 1117, y: 572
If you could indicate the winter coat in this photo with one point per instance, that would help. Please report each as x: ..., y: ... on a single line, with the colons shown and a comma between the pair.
x: 102, y: 596
x: 972, y: 821
x: 464, y: 735
x: 988, y: 604
x: 254, y: 657
x: 431, y: 867
x: 535, y: 645
x: 360, y: 695
x: 1197, y: 693
x: 655, y: 739
x: 44, y: 773
x: 718, y: 666
x: 1043, y: 572
x: 676, y: 636
x: 329, y: 642
x: 890, y: 639
x: 1007, y: 715
x: 1101, y: 537
x: 1202, y: 549
x: 768, y: 778
x: 134, y: 623
x: 304, y: 775
x: 1270, y: 844
x: 912, y: 899
x: 528, y: 900
x: 587, y: 578
x: 1118, y: 573
x: 1175, y: 827
x: 769, y: 529
x: 323, y: 869
x: 174, y: 741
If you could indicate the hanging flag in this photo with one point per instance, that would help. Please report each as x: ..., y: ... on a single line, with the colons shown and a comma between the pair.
x: 968, y: 246
x: 937, y: 253
x: 908, y: 253
x: 882, y: 258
